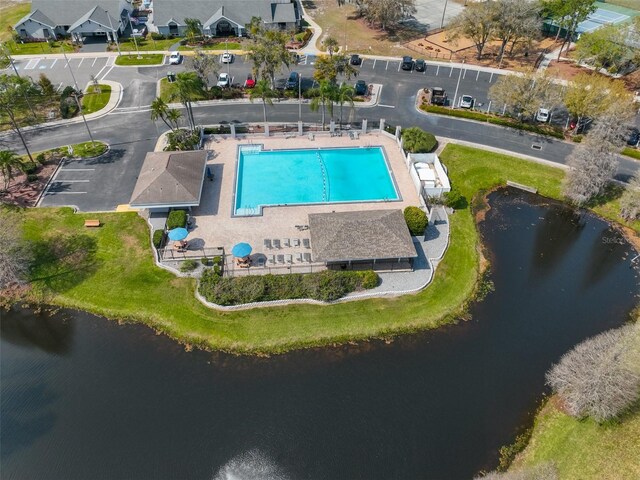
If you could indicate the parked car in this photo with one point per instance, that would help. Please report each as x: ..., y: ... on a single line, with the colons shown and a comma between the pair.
x: 633, y: 139
x: 175, y: 58
x: 224, y: 80
x: 438, y: 96
x: 466, y: 101
x: 543, y: 115
x: 226, y: 58
x: 579, y: 126
x: 407, y: 63
x: 293, y: 81
x: 249, y: 82
x: 356, y: 60
x: 420, y: 65
x: 361, y: 87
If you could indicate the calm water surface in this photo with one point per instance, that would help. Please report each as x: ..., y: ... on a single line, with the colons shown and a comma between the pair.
x: 85, y: 398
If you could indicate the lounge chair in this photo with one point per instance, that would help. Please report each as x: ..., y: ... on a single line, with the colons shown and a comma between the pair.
x: 307, y: 257
x: 289, y: 259
x: 299, y: 257
x: 295, y: 242
x: 276, y: 243
x: 272, y: 259
x: 306, y: 243
x: 267, y: 244
x: 286, y: 242
x: 280, y: 258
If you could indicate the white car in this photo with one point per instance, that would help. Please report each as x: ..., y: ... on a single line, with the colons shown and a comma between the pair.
x: 543, y: 115
x: 226, y: 58
x: 466, y: 101
x: 224, y: 80
x: 175, y: 58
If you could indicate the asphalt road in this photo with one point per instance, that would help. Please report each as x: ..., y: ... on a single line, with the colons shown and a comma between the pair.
x: 104, y: 183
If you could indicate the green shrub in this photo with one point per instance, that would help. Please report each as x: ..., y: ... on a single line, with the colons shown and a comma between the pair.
x: 369, y: 279
x: 577, y: 138
x: 176, y: 219
x: 217, y: 260
x: 157, y: 36
x: 631, y: 152
x: 32, y: 177
x: 67, y: 92
x: 188, y: 265
x: 416, y: 140
x: 482, y: 117
x: 41, y: 159
x: 205, y: 261
x: 29, y: 168
x: 158, y: 236
x: 217, y: 270
x: 416, y: 220
x: 454, y: 199
x: 68, y: 107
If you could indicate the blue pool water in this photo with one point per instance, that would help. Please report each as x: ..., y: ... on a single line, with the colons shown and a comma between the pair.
x: 296, y: 177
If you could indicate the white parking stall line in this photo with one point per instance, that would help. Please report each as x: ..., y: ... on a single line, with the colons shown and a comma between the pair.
x: 32, y: 64
x: 399, y: 65
x: 438, y: 71
x: 464, y: 74
x: 94, y: 61
x: 477, y: 75
x: 387, y: 67
x: 72, y: 181
x: 451, y: 72
x: 55, y: 60
x: 77, y: 170
x: 111, y: 61
x: 374, y: 63
x: 65, y: 193
x: 81, y: 60
x: 387, y: 106
x: 59, y: 87
x: 107, y: 72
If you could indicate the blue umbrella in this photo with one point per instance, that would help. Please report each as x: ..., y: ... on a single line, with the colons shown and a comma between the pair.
x: 241, y: 250
x: 178, y: 234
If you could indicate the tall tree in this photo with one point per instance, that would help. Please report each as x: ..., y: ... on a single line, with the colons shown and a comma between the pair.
x: 607, y: 47
x: 173, y: 117
x: 478, y: 21
x: 323, y: 98
x: 516, y: 20
x: 15, y: 254
x: 14, y: 92
x: 630, y: 200
x: 568, y: 14
x: 188, y: 86
x: 344, y: 95
x: 204, y: 65
x: 387, y: 13
x: 160, y: 110
x: 9, y: 164
x: 265, y: 93
x: 331, y: 45
x: 525, y: 93
x: 193, y: 30
x: 268, y: 51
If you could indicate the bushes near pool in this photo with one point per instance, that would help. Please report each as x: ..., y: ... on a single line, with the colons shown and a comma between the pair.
x: 327, y: 285
x: 176, y: 219
x: 416, y: 220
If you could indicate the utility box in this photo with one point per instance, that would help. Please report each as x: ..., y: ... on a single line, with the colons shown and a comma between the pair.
x: 171, y: 77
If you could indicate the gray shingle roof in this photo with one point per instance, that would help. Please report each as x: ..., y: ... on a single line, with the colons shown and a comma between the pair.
x: 37, y: 16
x: 67, y: 12
x: 170, y: 178
x: 96, y: 15
x: 238, y: 11
x: 366, y: 235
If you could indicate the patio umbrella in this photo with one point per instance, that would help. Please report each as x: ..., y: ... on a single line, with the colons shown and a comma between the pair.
x: 178, y: 234
x: 241, y: 250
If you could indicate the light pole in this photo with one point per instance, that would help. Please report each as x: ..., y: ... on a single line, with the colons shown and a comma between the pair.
x: 134, y: 37
x: 226, y: 48
x: 300, y: 98
x: 8, y: 54
x: 455, y: 95
x: 75, y: 96
x: 113, y: 34
x: 443, y: 12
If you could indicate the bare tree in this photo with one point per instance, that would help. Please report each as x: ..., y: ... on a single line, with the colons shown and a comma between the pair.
x: 525, y: 93
x: 516, y: 20
x: 204, y: 65
x: 477, y: 22
x: 630, y: 200
x: 600, y: 377
x: 15, y: 255
x: 387, y: 13
x: 592, y: 163
x: 542, y: 471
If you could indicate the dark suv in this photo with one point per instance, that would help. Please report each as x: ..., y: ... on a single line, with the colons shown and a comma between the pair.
x: 292, y: 82
x: 356, y: 60
x: 361, y: 87
x: 421, y: 65
x: 407, y: 63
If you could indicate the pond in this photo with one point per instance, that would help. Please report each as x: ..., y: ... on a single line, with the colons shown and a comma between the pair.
x: 83, y: 397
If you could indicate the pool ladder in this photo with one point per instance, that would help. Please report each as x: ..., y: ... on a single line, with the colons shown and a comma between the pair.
x: 325, y: 181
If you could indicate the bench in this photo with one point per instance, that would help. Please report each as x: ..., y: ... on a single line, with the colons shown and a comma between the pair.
x: 92, y: 223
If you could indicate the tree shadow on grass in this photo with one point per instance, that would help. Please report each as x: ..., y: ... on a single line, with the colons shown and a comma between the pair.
x: 60, y: 263
x: 611, y: 192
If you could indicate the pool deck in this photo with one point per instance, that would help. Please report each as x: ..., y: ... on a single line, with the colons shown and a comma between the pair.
x: 215, y: 225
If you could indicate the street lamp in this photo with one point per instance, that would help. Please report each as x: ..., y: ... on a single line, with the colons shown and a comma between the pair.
x: 300, y: 98
x: 75, y: 96
x: 443, y: 12
x: 113, y: 34
x: 455, y: 95
x: 133, y: 35
x: 8, y: 54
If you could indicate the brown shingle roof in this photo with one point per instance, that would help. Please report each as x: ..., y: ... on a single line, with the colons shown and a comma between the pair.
x: 366, y: 235
x: 170, y: 179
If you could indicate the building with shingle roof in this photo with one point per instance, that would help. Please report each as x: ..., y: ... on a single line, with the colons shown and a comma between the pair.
x: 170, y: 180
x: 368, y: 236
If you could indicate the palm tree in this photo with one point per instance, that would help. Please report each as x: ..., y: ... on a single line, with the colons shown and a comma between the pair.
x: 323, y: 96
x: 193, y: 30
x: 331, y: 45
x: 344, y: 94
x: 9, y: 163
x: 159, y: 110
x: 174, y: 116
x: 264, y: 92
x: 188, y: 85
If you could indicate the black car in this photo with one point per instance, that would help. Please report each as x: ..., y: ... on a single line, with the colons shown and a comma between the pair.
x: 420, y: 65
x: 294, y: 80
x: 361, y: 87
x: 634, y: 137
x: 407, y: 63
x: 356, y: 60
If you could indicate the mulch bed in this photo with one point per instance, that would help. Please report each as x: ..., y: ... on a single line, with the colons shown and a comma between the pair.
x: 25, y: 194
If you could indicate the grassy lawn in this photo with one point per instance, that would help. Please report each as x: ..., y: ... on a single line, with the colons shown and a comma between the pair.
x: 94, y: 101
x: 38, y: 47
x: 582, y: 448
x: 631, y: 152
x: 120, y: 250
x: 80, y: 150
x: 146, y: 44
x: 9, y: 16
x: 146, y: 59
x: 216, y: 46
x: 168, y: 89
x: 340, y: 23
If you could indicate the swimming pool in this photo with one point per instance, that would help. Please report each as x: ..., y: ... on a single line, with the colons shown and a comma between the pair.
x: 310, y: 176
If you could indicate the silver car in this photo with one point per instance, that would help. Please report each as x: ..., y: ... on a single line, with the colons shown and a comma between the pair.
x: 466, y: 101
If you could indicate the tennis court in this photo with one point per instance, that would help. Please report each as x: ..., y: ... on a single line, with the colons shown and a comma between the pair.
x: 600, y: 18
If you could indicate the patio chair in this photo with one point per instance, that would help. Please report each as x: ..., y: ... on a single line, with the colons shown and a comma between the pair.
x: 307, y: 257
x: 295, y: 242
x: 267, y: 244
x: 286, y: 242
x: 272, y: 259
x: 276, y: 243
x: 280, y: 258
x: 289, y: 259
x: 306, y: 243
x: 299, y: 257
